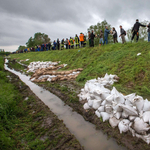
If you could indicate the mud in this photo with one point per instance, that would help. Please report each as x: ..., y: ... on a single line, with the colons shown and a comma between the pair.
x: 53, y: 128
x: 125, y: 139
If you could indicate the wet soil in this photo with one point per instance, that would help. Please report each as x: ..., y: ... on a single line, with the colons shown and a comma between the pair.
x: 125, y: 139
x: 49, y: 128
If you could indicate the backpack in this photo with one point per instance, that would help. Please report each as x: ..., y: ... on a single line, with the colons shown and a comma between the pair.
x: 125, y: 33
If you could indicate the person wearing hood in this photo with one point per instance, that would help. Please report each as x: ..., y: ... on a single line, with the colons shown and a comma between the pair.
x: 135, y: 30
x: 148, y: 32
x: 114, y: 33
x: 101, y: 38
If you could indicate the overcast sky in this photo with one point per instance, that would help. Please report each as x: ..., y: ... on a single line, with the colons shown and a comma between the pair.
x: 20, y: 19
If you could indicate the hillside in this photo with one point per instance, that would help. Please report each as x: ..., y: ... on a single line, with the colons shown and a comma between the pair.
x: 122, y: 60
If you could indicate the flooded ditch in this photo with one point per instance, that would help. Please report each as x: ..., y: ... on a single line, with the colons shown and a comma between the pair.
x: 84, y: 131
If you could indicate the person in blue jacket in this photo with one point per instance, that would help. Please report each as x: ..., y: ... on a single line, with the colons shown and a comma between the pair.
x: 106, y: 32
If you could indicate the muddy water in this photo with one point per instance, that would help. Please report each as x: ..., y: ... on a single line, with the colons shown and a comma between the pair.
x: 84, y: 131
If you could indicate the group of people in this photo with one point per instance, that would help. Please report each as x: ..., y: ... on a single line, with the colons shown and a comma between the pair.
x: 80, y: 41
x: 135, y: 31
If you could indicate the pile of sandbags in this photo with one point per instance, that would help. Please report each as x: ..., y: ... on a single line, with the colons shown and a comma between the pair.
x: 49, y: 71
x: 33, y: 66
x: 128, y: 113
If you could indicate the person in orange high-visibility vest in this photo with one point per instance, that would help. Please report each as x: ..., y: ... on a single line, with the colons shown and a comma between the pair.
x: 81, y: 39
x: 69, y: 43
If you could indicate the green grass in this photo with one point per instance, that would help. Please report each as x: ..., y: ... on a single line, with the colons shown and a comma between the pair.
x: 122, y: 60
x: 20, y: 128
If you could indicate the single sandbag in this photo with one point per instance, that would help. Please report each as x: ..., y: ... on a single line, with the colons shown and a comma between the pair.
x: 118, y: 115
x: 140, y: 126
x: 132, y: 118
x: 145, y: 138
x: 97, y: 113
x: 123, y: 125
x: 139, y: 103
x: 103, y: 103
x: 114, y: 122
x: 96, y: 104
x: 131, y: 130
x: 119, y: 99
x: 110, y: 98
x: 146, y: 116
x: 108, y: 109
x: 146, y: 105
x: 86, y: 106
x: 90, y: 103
x: 105, y: 116
x: 101, y: 109
x: 124, y: 115
x: 129, y: 110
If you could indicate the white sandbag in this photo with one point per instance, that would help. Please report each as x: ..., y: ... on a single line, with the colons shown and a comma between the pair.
x: 131, y: 130
x: 132, y: 118
x: 124, y: 115
x: 104, y: 95
x: 96, y: 96
x: 105, y: 116
x: 101, y: 109
x: 145, y: 138
x: 146, y: 116
x: 140, y: 126
x: 103, y: 103
x: 116, y: 107
x: 146, y: 105
x: 96, y: 104
x: 123, y: 125
x: 90, y: 103
x: 118, y: 115
x: 130, y: 98
x: 119, y: 99
x: 110, y: 98
x: 108, y: 109
x: 97, y: 113
x: 114, y: 122
x: 129, y: 110
x: 86, y: 106
x: 114, y: 91
x: 139, y: 103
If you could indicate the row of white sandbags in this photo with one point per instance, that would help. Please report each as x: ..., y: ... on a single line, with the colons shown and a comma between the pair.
x: 33, y: 66
x: 129, y: 113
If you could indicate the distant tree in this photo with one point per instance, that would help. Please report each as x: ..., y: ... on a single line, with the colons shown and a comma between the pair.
x: 142, y: 32
x: 39, y: 38
x: 100, y: 26
x: 21, y: 47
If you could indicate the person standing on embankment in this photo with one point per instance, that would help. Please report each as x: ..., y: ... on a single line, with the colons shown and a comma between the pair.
x: 92, y: 36
x: 148, y: 32
x: 106, y: 32
x: 135, y: 30
x: 122, y: 34
x: 101, y: 38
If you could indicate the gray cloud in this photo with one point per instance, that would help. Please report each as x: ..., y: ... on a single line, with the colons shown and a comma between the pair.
x: 20, y: 19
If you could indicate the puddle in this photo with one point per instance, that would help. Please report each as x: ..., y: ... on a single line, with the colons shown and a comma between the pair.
x: 84, y: 131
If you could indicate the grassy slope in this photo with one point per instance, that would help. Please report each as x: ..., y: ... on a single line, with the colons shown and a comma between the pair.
x: 122, y: 60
